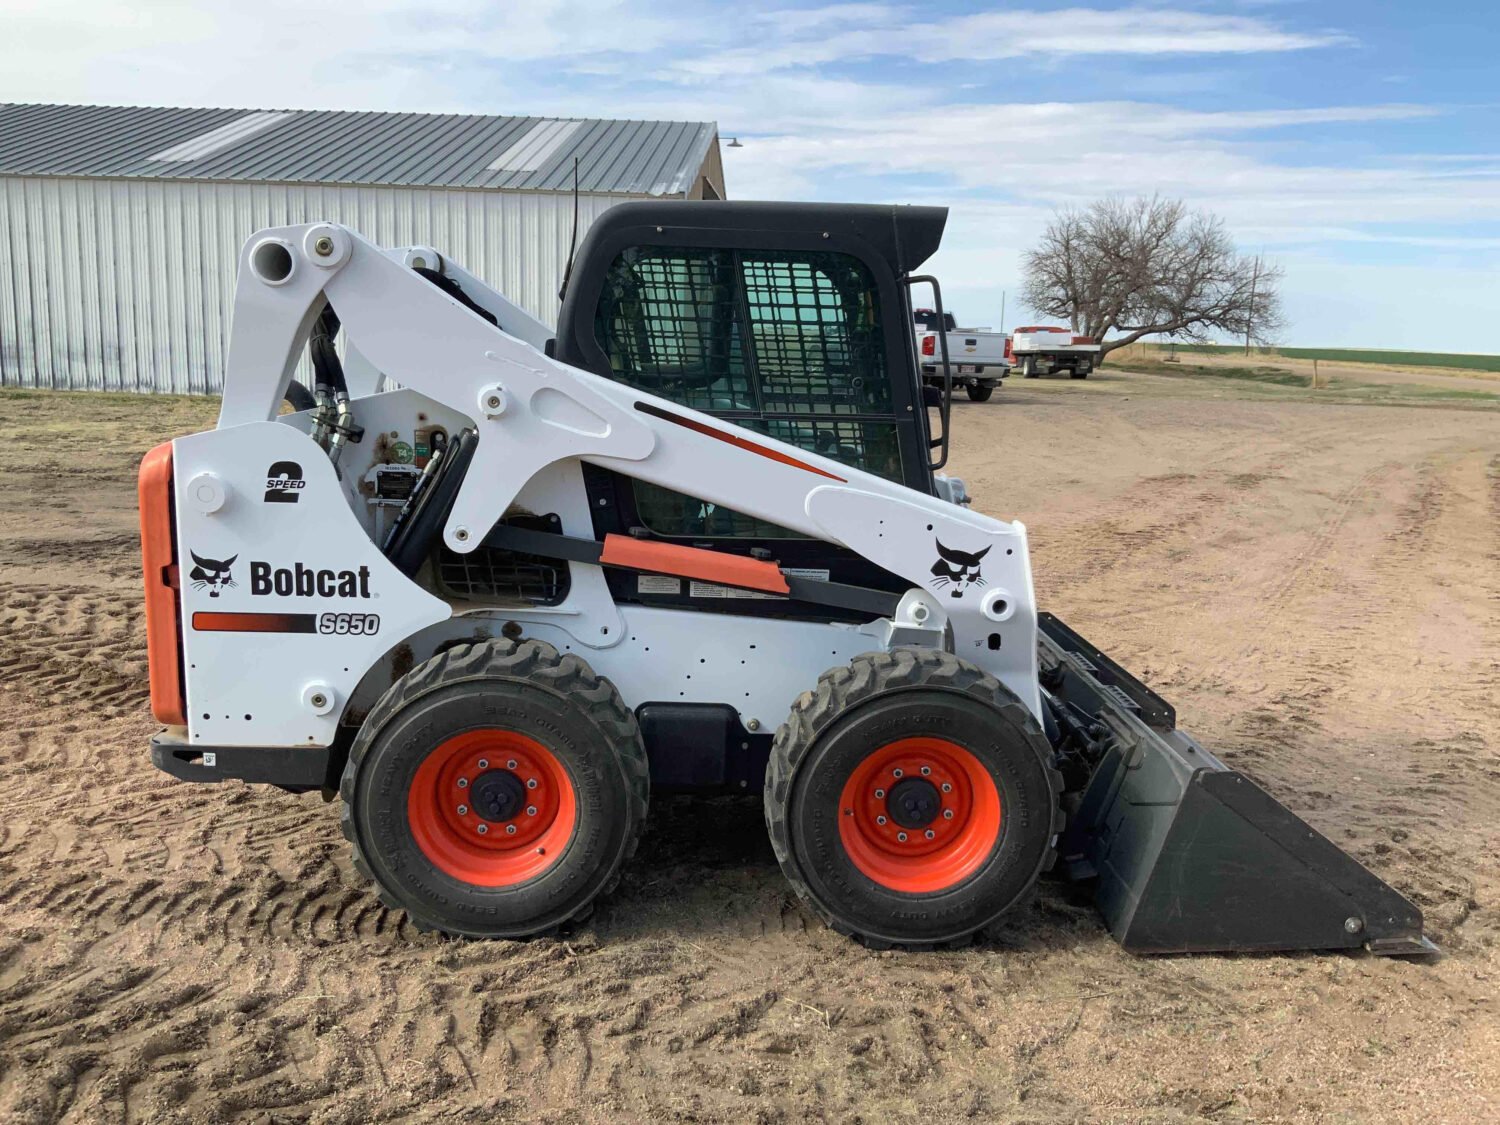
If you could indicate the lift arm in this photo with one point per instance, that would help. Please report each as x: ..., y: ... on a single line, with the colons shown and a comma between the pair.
x: 531, y: 411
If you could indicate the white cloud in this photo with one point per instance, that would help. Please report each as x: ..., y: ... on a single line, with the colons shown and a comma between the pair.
x: 1125, y: 31
x: 881, y: 31
x: 853, y: 100
x: 1060, y: 153
x: 281, y: 52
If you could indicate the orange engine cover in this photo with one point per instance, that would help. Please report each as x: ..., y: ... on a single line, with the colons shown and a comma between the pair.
x: 159, y: 566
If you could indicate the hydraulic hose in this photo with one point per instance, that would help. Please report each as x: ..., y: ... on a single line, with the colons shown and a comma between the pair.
x: 329, y: 374
x: 335, y: 426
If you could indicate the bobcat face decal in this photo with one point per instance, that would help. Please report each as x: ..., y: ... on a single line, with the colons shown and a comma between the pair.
x: 211, y: 574
x: 958, y: 569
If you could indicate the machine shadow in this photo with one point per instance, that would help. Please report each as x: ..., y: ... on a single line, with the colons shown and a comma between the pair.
x: 705, y: 864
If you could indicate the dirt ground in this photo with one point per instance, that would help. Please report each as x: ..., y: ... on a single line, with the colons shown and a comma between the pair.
x: 1315, y: 585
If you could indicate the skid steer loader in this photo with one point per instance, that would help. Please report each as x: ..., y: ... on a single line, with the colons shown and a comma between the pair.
x: 504, y: 579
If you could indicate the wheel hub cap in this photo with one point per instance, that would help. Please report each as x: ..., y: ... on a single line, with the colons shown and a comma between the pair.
x: 914, y: 803
x: 499, y: 795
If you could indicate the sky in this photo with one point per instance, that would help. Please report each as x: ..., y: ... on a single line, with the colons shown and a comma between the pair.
x: 1354, y: 143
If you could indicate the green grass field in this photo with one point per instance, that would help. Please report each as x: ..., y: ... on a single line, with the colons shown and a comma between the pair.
x: 1457, y: 360
x: 1277, y: 382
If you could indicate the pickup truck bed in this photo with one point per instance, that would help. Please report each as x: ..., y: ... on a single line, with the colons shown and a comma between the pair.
x: 1040, y: 351
x: 977, y: 355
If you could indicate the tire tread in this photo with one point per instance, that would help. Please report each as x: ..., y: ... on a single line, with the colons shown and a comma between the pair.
x: 540, y: 665
x: 846, y: 686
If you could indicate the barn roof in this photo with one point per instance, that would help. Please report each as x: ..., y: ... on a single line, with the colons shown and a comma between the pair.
x: 354, y: 147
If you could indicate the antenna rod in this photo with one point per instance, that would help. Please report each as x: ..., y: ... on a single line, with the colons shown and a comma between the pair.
x: 573, y: 246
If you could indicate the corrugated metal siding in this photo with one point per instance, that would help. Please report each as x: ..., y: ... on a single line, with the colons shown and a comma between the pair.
x: 129, y: 284
x: 396, y: 149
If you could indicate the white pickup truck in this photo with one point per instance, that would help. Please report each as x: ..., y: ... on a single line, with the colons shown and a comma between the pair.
x: 976, y: 355
x: 1041, y: 351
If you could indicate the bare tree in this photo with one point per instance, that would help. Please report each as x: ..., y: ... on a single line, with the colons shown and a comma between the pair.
x: 1150, y: 267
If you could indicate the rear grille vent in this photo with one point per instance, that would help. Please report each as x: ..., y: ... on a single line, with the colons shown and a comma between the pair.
x: 494, y: 574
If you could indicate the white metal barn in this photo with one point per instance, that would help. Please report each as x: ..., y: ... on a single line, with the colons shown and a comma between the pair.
x: 120, y: 227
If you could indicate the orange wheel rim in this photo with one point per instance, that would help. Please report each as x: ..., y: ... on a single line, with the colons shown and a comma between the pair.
x: 491, y: 808
x: 919, y: 815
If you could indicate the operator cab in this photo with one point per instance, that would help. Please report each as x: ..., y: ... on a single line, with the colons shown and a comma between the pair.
x: 791, y: 320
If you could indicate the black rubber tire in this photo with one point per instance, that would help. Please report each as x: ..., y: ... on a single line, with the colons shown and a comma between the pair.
x: 979, y: 394
x: 299, y: 397
x: 1074, y: 373
x: 877, y: 698
x: 1028, y: 369
x: 555, y: 699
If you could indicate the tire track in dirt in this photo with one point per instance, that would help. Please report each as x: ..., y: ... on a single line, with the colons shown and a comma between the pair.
x: 1351, y: 680
x: 1316, y: 568
x: 175, y: 953
x: 1449, y: 534
x: 86, y: 647
x: 1142, y: 536
x: 117, y: 551
x: 1315, y: 554
x: 1312, y: 630
x: 1154, y: 527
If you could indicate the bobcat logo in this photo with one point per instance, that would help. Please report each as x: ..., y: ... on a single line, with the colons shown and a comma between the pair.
x: 960, y: 569
x: 211, y: 574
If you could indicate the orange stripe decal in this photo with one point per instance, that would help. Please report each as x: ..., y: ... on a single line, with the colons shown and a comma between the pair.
x: 158, y: 564
x: 693, y: 562
x: 205, y: 622
x: 735, y: 440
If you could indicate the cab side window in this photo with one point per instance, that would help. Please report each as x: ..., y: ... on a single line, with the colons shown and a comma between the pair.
x: 669, y: 323
x: 787, y: 343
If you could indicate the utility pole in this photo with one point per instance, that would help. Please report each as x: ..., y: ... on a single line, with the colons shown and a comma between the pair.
x: 1002, y: 310
x: 1250, y: 312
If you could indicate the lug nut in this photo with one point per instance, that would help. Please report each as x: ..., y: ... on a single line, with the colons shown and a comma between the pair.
x: 947, y: 787
x: 880, y: 820
x: 510, y: 765
x: 531, y: 783
x: 879, y: 793
x: 510, y: 829
x: 896, y: 773
x: 463, y: 810
x: 901, y: 836
x: 531, y: 810
x: 484, y: 763
x: 947, y: 814
x: 929, y: 833
x: 926, y: 770
x: 484, y: 829
x: 463, y: 783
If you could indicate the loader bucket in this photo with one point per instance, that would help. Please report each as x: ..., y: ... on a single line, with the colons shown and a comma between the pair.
x: 1190, y: 856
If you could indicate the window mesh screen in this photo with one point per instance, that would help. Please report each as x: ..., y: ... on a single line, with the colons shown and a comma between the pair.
x: 786, y: 343
x: 668, y: 322
x: 816, y: 333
